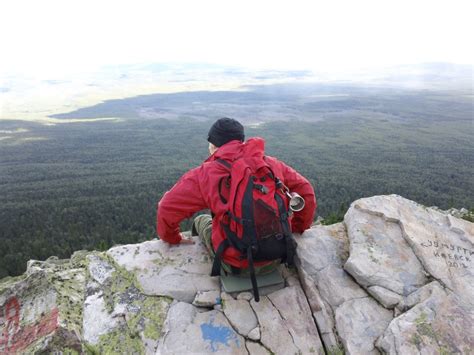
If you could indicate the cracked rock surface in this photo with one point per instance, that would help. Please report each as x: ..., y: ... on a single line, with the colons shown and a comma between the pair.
x: 188, y: 331
x: 161, y: 269
x: 394, y: 277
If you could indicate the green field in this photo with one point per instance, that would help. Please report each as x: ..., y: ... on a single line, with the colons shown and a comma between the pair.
x: 95, y: 184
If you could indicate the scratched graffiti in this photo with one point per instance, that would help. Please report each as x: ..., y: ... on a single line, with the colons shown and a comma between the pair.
x: 15, y: 337
x: 455, y: 256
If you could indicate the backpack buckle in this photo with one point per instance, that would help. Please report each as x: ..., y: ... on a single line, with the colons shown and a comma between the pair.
x: 262, y: 188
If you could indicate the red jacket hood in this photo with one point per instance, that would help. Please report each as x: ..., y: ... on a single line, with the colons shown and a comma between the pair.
x: 253, y: 147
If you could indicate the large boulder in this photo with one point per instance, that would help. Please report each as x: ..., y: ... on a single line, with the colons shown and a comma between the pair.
x: 286, y: 323
x: 43, y: 309
x: 440, y: 322
x: 161, y: 269
x: 189, y: 331
x: 394, y: 277
x: 398, y: 244
x: 126, y: 300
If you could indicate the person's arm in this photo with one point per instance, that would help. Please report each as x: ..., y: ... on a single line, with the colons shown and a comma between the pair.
x: 296, y: 182
x: 182, y: 201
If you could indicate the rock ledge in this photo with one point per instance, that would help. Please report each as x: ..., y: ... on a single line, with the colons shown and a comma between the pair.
x: 395, y: 277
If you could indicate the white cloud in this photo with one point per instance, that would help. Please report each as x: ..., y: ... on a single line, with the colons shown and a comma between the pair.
x: 50, y: 37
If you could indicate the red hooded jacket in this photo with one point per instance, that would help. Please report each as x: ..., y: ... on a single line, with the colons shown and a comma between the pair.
x: 198, y: 189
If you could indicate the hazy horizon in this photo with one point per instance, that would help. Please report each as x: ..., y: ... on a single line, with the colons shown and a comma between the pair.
x: 60, y: 56
x: 34, y: 98
x: 52, y: 38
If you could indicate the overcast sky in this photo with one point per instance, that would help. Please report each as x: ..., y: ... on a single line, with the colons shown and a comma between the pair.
x: 48, y: 38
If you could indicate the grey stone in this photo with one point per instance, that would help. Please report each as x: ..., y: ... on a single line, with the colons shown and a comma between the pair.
x: 321, y: 310
x: 396, y: 312
x: 240, y: 314
x: 336, y: 287
x: 23, y: 304
x: 330, y: 341
x: 322, y: 246
x: 294, y: 308
x: 379, y: 254
x: 443, y: 244
x: 99, y: 269
x: 254, y: 334
x: 179, y: 285
x: 42, y: 308
x: 321, y: 255
x: 191, y: 258
x: 290, y: 276
x: 178, y: 271
x: 146, y: 316
x: 441, y: 324
x: 274, y: 333
x: 207, y: 298
x: 461, y: 213
x: 359, y: 323
x: 97, y: 320
x: 256, y: 348
x: 292, y: 281
x: 187, y: 331
x: 245, y: 296
x: 115, y: 300
x: 420, y: 295
x: 387, y: 298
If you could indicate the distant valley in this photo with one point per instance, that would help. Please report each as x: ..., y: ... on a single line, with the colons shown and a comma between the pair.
x: 84, y: 169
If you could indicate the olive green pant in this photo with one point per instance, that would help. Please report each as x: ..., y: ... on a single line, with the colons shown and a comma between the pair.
x: 203, y: 227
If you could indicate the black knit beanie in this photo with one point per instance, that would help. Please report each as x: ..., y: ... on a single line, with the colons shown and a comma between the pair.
x: 225, y: 130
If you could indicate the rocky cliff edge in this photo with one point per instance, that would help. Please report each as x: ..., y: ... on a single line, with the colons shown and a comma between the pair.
x: 395, y: 277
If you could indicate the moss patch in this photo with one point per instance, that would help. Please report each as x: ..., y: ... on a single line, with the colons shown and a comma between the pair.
x: 424, y: 328
x: 145, y: 315
x: 336, y: 350
x: 426, y: 335
x: 150, y: 317
x: 70, y: 288
x: 119, y: 342
x: 68, y: 279
x: 416, y: 340
x: 7, y: 282
x: 120, y: 284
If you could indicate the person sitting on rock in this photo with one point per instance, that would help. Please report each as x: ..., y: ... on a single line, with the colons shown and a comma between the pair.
x: 210, y: 186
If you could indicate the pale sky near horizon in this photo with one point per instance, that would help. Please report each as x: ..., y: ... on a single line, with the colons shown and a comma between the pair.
x: 49, y: 38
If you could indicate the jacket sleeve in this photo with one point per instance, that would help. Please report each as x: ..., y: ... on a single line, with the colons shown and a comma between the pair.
x: 182, y: 201
x: 303, y: 219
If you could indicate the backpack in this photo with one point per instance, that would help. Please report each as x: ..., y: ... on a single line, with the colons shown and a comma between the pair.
x: 256, y: 222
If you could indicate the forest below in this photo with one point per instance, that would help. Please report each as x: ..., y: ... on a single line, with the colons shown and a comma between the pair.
x: 91, y: 185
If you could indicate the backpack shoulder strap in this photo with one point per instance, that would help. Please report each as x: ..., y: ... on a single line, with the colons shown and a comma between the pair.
x: 228, y: 166
x: 224, y: 163
x: 216, y: 265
